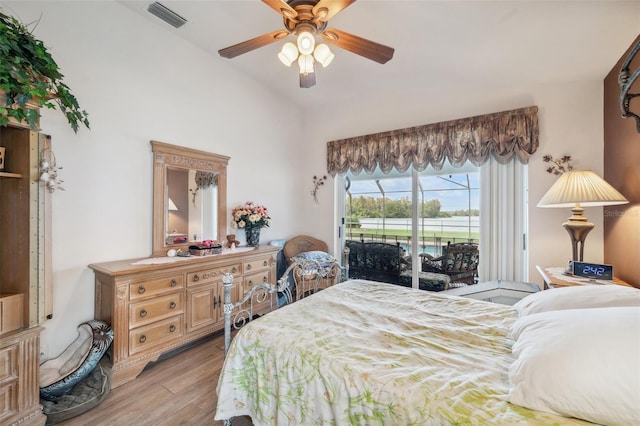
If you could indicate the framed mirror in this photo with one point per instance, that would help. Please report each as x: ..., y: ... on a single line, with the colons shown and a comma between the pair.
x: 189, y: 197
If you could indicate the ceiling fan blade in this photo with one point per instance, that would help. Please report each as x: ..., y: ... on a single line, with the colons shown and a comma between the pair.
x: 327, y: 9
x: 282, y: 8
x: 358, y: 45
x: 307, y: 80
x: 254, y: 43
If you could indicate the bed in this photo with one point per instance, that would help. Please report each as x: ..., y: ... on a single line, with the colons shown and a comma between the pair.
x: 363, y: 352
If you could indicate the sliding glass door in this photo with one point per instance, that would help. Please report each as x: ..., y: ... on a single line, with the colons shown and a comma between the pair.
x: 422, y: 212
x: 417, y: 212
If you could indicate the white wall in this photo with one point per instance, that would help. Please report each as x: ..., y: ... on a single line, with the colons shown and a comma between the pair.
x: 570, y: 118
x: 139, y: 82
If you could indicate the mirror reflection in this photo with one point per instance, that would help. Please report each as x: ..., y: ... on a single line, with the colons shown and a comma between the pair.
x: 189, y: 197
x: 192, y: 212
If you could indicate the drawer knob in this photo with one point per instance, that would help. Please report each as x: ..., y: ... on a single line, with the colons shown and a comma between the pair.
x: 172, y: 305
x: 248, y: 267
x: 265, y: 263
x: 174, y: 282
x: 264, y: 279
x: 141, y: 289
x: 143, y: 313
x: 172, y: 328
x: 250, y: 282
x: 142, y: 338
x: 234, y: 270
x: 196, y: 277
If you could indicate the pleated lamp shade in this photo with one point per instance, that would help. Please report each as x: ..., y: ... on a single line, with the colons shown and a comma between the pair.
x: 582, y: 187
x: 578, y: 189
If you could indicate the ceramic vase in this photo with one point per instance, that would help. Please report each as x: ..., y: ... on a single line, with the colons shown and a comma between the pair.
x: 253, y: 236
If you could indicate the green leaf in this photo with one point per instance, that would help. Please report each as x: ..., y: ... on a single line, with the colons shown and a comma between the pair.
x: 28, y: 72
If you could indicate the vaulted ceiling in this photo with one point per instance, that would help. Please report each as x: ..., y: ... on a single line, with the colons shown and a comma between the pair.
x: 440, y: 46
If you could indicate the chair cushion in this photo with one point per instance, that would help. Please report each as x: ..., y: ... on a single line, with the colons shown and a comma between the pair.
x: 59, y: 375
x: 318, y: 255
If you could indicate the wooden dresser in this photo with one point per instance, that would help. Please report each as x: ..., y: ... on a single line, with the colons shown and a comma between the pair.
x: 155, y: 308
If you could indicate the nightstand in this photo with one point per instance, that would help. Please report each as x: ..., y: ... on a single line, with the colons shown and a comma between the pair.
x: 554, y: 276
x: 503, y: 292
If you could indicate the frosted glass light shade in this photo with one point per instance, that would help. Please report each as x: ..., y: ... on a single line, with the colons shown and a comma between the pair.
x: 288, y: 54
x: 305, y: 62
x: 306, y: 43
x: 582, y: 187
x: 323, y: 54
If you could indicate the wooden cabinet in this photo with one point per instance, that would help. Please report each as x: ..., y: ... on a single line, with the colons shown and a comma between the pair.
x: 157, y: 305
x: 19, y: 378
x: 24, y: 274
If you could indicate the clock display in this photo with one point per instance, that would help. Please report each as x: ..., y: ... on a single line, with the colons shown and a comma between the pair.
x: 593, y: 270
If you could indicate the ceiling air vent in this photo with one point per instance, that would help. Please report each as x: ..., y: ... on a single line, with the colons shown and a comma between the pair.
x: 166, y: 14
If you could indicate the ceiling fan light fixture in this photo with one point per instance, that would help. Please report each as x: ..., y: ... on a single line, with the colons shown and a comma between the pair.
x: 288, y: 54
x: 306, y: 43
x: 323, y: 55
x: 305, y: 62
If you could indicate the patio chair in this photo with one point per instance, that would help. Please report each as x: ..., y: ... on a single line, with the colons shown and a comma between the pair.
x: 459, y: 261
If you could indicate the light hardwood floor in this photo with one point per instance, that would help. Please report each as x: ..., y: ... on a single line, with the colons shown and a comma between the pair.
x: 180, y: 390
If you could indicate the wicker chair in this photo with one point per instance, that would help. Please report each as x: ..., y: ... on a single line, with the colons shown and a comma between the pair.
x: 387, y: 263
x: 459, y: 261
x: 309, y: 250
x: 302, y: 244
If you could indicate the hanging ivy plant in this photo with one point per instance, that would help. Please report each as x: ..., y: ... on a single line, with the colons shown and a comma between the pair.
x: 28, y: 73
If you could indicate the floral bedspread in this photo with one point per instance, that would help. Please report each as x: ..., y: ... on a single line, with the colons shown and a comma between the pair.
x: 368, y: 353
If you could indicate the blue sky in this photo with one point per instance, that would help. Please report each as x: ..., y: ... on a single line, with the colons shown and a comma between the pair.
x: 450, y: 189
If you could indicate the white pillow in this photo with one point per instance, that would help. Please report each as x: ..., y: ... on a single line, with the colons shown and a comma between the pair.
x: 582, y: 363
x: 577, y: 297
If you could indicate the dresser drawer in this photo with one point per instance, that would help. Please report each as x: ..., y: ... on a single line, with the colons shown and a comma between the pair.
x: 9, y: 368
x: 205, y: 276
x: 155, y: 286
x: 253, y: 279
x: 8, y: 400
x: 261, y: 299
x: 158, y: 333
x: 255, y: 265
x: 148, y: 311
x: 9, y: 362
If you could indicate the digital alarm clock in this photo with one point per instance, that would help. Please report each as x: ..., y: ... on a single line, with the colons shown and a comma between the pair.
x: 594, y: 271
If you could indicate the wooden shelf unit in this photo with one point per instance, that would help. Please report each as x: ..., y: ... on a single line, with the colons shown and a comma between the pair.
x: 24, y: 272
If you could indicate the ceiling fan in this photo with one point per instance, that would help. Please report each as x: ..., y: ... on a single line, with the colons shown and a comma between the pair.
x: 306, y: 18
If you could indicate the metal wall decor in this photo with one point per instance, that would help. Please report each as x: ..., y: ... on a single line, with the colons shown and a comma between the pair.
x: 559, y: 166
x: 317, y: 183
x: 49, y: 171
x: 626, y: 79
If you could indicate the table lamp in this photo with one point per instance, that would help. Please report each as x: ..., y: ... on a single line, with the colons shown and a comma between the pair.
x: 575, y: 189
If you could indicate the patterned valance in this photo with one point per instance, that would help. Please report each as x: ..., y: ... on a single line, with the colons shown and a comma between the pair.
x: 501, y: 134
x: 206, y: 179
